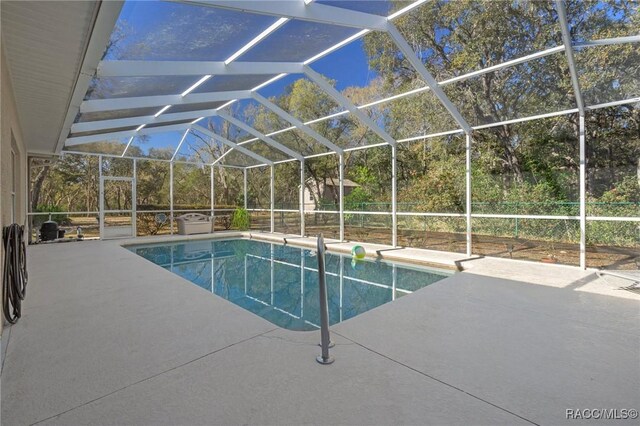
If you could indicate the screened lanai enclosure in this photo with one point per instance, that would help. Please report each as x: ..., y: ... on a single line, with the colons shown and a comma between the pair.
x: 502, y: 128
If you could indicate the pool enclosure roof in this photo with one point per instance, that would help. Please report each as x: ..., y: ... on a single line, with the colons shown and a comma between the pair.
x: 182, y: 81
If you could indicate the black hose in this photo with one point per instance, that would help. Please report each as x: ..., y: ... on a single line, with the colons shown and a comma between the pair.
x: 14, y: 278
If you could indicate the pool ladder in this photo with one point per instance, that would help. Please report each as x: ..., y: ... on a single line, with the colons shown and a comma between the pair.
x: 325, y: 339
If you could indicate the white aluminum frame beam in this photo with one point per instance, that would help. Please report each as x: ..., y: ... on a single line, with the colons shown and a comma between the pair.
x: 78, y: 140
x: 516, y: 61
x: 627, y: 101
x: 608, y: 41
x: 105, y: 21
x: 98, y: 105
x: 583, y: 192
x: 297, y: 123
x: 212, y: 195
x: 341, y: 199
x: 492, y: 68
x: 257, y: 134
x: 566, y: 38
x: 257, y: 39
x: 89, y: 126
x: 160, y: 160
x: 244, y: 186
x: 394, y: 196
x: 230, y: 144
x: 346, y: 103
x: 171, y: 197
x: 194, y: 68
x: 272, y: 205
x: 301, y: 199
x: 537, y: 55
x: 105, y: 66
x: 485, y: 126
x: 127, y: 147
x: 467, y: 196
x: 135, y: 121
x: 417, y: 64
x: 506, y: 64
x: 184, y: 136
x: 219, y: 159
x: 314, y: 12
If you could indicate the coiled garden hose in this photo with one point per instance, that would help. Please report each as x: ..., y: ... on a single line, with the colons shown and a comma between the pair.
x: 14, y: 278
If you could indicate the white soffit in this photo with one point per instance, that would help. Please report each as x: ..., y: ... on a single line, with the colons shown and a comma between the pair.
x: 44, y: 43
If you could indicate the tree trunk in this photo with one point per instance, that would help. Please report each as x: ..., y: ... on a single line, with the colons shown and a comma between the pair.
x: 503, y: 133
x: 222, y: 173
x: 510, y: 156
x: 317, y: 194
x: 37, y: 187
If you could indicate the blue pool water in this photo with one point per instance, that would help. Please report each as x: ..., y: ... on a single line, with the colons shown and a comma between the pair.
x: 280, y: 283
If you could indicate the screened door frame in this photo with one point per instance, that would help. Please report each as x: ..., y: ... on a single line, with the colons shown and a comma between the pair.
x: 132, y: 210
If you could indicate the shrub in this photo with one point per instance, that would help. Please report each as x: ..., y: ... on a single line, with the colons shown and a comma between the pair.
x: 357, y: 199
x: 61, y: 219
x: 240, y: 219
x: 147, y: 224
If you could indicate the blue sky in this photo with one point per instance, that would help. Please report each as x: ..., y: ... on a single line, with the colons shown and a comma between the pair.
x: 147, y: 22
x: 348, y: 66
x: 158, y: 30
x: 157, y: 21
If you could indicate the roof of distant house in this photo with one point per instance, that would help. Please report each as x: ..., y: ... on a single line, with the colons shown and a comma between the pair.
x: 336, y: 182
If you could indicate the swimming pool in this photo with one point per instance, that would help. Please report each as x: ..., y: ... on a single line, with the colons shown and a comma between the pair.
x: 280, y: 283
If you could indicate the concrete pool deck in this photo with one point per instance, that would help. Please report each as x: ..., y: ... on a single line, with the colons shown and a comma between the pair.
x: 110, y: 338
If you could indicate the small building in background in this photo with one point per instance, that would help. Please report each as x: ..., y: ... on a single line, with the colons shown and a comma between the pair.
x: 327, y: 191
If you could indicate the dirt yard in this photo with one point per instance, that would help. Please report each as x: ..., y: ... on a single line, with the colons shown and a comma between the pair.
x: 515, y: 248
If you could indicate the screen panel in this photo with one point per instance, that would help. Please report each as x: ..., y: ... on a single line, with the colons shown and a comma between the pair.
x: 297, y: 41
x: 124, y: 87
x: 374, y: 7
x: 267, y: 151
x: 177, y: 31
x: 157, y: 145
x: 431, y: 175
x: 321, y: 192
x: 536, y: 87
x: 612, y: 149
x: 596, y: 19
x: 259, y: 188
x: 368, y: 69
x: 416, y: 115
x: 287, y: 185
x: 608, y: 73
x: 455, y: 38
x: 538, y: 240
x: 108, y: 146
x: 613, y: 245
x: 225, y: 83
x: 200, y: 148
x: 529, y: 168
x: 115, y: 114
x: 191, y: 187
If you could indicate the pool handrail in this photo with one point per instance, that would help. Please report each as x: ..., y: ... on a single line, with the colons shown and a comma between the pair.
x: 324, y: 307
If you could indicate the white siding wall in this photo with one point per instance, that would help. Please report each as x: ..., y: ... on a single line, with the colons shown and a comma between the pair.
x: 13, y: 177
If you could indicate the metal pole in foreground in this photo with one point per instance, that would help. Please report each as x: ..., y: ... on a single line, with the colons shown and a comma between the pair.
x: 171, y: 196
x: 324, y: 308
